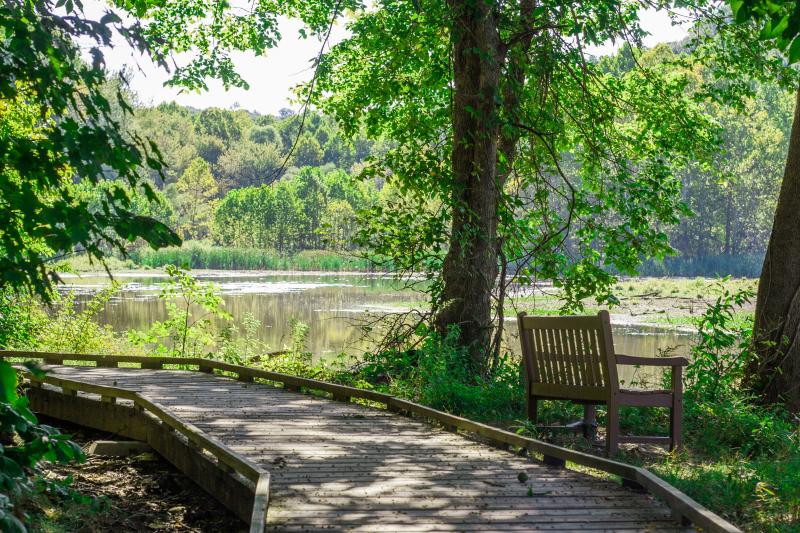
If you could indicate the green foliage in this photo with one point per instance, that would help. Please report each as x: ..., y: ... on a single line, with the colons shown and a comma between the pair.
x: 264, y: 135
x: 437, y: 374
x: 65, y: 325
x: 204, y: 255
x: 208, y: 33
x: 247, y: 164
x: 240, y: 344
x: 308, y: 152
x: 298, y: 336
x: 723, y: 351
x: 743, y: 462
x: 25, y: 444
x: 71, y: 330
x: 19, y: 319
x: 779, y: 21
x: 57, y: 126
x: 170, y: 127
x: 308, y: 210
x: 195, y: 206
x: 185, y: 333
x: 739, y: 266
x: 598, y: 163
x: 219, y: 123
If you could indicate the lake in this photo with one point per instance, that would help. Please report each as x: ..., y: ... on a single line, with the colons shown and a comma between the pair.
x: 332, y: 304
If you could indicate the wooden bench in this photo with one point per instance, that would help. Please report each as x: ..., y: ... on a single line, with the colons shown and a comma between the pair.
x: 573, y: 358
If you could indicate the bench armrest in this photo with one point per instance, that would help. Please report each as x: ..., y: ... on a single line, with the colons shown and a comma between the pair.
x: 651, y: 361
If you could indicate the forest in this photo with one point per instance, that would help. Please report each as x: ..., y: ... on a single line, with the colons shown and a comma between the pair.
x: 451, y: 164
x: 218, y: 162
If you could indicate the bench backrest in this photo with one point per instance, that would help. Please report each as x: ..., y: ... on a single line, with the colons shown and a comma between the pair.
x: 570, y: 357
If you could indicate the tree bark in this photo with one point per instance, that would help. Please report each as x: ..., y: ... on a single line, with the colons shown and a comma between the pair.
x: 775, y: 374
x: 471, y: 265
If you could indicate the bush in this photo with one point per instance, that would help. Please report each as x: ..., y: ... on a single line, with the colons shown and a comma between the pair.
x: 438, y: 374
x: 185, y: 333
x: 742, y: 458
x: 20, y: 319
x: 25, y: 443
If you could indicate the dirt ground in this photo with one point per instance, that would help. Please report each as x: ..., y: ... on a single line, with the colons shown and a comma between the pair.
x: 138, y: 493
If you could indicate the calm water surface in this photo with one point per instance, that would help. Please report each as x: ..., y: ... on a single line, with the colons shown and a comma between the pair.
x: 332, y: 305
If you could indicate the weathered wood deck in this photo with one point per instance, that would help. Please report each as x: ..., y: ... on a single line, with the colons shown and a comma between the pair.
x: 343, y: 466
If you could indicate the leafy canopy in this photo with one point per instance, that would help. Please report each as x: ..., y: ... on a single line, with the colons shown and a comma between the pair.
x: 57, y: 128
x: 779, y: 21
x: 592, y: 182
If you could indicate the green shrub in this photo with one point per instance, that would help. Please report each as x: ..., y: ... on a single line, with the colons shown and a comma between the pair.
x: 25, y: 444
x: 742, y: 458
x: 63, y: 326
x: 438, y: 374
x: 185, y: 333
x: 20, y: 319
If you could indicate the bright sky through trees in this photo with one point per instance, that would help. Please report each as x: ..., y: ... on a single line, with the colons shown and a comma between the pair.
x: 273, y: 76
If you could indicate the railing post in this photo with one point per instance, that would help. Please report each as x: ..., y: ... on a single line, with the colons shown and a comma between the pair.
x: 554, y: 462
x: 633, y: 485
x: 107, y: 363
x: 228, y: 469
x: 680, y: 518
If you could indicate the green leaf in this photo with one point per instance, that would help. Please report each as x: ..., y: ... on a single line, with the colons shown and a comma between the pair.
x: 794, y: 50
x: 8, y: 383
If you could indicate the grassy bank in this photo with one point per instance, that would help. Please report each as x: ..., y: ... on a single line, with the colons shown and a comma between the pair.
x: 207, y: 256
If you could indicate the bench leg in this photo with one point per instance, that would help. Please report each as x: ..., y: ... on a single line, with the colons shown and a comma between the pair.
x: 612, y: 429
x: 533, y: 408
x: 675, y: 424
x: 589, y: 420
x: 676, y: 411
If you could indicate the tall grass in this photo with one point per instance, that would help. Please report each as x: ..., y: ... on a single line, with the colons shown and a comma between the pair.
x: 204, y: 255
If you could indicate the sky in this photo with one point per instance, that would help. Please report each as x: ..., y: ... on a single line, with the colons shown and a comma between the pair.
x: 272, y: 77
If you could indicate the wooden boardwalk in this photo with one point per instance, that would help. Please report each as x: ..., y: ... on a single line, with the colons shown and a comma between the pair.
x: 346, y: 467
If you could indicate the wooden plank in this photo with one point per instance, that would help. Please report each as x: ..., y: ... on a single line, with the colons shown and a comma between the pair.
x: 499, y: 527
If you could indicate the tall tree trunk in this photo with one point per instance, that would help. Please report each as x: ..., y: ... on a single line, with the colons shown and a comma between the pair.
x: 516, y: 59
x: 471, y: 265
x: 776, y: 373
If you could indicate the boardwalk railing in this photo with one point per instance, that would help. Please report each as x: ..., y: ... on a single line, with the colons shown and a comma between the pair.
x: 684, y: 509
x: 226, y: 458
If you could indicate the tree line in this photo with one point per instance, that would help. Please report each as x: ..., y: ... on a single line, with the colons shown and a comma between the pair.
x: 282, y: 183
x: 233, y: 176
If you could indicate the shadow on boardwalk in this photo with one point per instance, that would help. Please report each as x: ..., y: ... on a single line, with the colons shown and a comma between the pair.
x: 344, y: 466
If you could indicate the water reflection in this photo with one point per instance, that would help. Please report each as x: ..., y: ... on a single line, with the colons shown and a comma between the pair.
x: 331, y: 304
